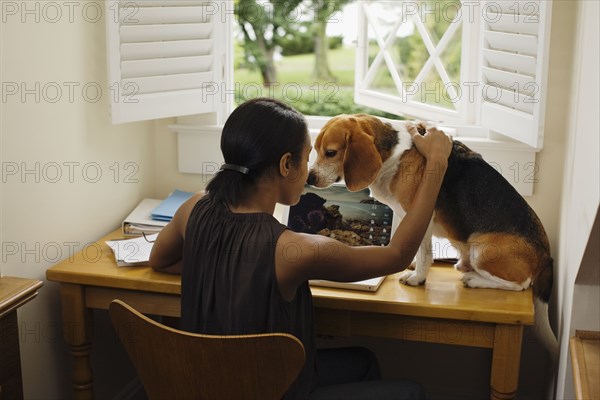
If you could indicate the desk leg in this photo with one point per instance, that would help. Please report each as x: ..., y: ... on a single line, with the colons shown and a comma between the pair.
x: 506, y: 359
x: 77, y: 332
x: 11, y: 382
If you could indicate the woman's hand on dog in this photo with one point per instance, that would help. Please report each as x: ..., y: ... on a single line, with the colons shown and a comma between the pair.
x: 435, y: 145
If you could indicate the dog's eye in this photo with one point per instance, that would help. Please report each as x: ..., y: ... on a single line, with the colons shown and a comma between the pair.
x: 330, y: 153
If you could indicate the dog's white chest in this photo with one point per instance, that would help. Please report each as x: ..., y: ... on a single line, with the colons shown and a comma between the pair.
x: 383, y: 195
x: 381, y: 186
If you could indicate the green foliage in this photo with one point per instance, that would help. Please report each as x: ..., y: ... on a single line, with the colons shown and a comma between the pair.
x: 322, y: 97
x: 326, y: 100
x: 330, y: 105
x: 263, y: 24
x: 340, y: 103
x: 298, y: 90
x: 325, y: 9
x: 335, y: 42
x: 297, y: 43
x: 412, y: 51
x: 304, y: 43
x: 239, y: 57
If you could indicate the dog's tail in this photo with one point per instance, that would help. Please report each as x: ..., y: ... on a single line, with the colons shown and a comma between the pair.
x: 542, y: 289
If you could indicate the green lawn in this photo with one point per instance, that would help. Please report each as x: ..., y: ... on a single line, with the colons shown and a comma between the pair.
x: 297, y: 88
x: 298, y: 69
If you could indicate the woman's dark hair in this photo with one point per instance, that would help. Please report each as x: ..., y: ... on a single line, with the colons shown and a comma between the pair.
x: 255, y: 136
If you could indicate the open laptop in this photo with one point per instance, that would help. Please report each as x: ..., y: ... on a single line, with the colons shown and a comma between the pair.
x: 354, y: 218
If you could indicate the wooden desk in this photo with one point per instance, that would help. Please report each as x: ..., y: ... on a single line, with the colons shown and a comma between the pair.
x: 14, y: 292
x: 442, y: 311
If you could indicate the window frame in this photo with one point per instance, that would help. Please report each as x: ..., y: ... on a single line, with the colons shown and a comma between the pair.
x: 510, y: 24
x: 198, y: 139
x: 516, y: 161
x: 463, y: 113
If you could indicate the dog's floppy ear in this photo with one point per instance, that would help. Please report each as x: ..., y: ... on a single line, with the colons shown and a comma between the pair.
x: 416, y: 128
x: 362, y: 161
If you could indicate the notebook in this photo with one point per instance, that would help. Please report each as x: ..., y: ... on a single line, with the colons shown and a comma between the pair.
x: 354, y: 218
x: 140, y: 220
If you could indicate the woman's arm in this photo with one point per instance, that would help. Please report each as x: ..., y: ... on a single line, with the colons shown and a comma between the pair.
x: 301, y: 257
x: 167, y: 251
x: 320, y: 257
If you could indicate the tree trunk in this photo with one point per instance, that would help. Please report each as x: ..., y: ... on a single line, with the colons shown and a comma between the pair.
x: 268, y: 72
x: 321, y: 70
x: 266, y: 63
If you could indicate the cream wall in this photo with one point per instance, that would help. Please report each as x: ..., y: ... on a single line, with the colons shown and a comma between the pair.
x: 70, y: 141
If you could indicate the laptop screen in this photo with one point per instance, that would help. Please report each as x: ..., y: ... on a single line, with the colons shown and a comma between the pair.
x: 353, y: 218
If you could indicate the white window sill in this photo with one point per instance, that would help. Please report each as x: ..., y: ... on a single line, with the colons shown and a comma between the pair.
x: 199, y: 151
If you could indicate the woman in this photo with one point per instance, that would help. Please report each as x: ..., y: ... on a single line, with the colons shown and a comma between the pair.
x: 243, y: 272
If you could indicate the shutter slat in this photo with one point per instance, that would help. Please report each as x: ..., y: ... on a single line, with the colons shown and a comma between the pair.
x: 151, y: 33
x: 510, y: 81
x: 150, y: 50
x: 164, y: 54
x: 509, y: 61
x: 164, y: 15
x: 523, y: 44
x: 513, y: 23
x: 508, y: 98
x: 513, y: 68
x: 165, y: 66
x: 166, y: 83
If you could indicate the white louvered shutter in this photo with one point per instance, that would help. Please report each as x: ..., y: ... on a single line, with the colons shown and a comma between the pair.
x: 165, y: 57
x: 513, y: 71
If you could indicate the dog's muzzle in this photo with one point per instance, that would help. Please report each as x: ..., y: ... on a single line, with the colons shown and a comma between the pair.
x: 312, y: 178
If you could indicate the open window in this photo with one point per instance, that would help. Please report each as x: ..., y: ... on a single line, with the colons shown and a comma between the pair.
x: 482, y: 63
x: 477, y: 66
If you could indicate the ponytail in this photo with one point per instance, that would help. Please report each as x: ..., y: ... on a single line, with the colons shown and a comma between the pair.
x: 229, y: 186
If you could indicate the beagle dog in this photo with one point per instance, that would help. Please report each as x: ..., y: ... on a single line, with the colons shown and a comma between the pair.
x: 501, y: 241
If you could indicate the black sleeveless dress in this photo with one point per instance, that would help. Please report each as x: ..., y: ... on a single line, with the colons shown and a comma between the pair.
x: 229, y: 286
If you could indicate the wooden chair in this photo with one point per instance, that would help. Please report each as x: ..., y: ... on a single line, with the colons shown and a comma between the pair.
x: 174, y: 364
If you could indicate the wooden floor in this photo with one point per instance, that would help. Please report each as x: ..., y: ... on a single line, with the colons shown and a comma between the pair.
x: 585, y: 357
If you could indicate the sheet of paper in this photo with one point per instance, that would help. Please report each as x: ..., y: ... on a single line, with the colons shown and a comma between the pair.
x: 132, y: 251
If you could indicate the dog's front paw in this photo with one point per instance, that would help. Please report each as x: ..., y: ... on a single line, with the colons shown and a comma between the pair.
x: 471, y: 279
x: 411, y: 278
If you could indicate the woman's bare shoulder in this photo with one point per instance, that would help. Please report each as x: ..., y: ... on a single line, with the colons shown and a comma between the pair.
x: 183, y: 212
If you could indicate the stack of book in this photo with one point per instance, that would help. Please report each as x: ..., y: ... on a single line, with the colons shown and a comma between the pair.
x: 152, y: 215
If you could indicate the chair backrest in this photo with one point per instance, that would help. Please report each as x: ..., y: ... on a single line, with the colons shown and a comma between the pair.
x: 174, y: 364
